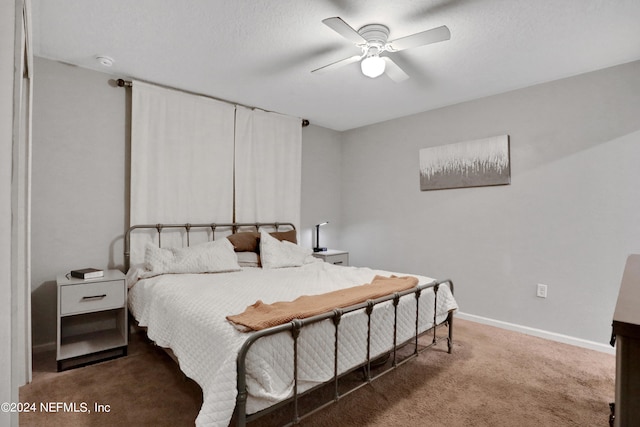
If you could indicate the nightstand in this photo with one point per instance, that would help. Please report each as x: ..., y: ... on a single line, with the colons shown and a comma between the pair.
x: 333, y: 256
x: 92, y: 319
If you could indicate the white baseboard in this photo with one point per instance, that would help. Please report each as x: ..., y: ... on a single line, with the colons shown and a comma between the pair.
x: 566, y: 339
x: 41, y: 348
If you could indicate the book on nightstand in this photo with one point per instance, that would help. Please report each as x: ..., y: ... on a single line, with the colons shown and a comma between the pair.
x: 87, y: 273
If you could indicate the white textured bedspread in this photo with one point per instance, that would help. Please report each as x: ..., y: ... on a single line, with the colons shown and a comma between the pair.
x: 186, y: 312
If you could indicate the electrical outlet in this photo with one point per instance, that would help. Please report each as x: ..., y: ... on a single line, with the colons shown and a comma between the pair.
x: 541, y: 291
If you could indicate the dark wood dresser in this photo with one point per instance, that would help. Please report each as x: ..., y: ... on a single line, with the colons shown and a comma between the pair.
x: 626, y: 337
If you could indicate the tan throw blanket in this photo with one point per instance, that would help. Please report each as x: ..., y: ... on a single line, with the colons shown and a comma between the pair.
x: 261, y: 316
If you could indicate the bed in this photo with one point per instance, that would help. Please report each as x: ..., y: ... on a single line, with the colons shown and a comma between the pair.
x: 245, y: 374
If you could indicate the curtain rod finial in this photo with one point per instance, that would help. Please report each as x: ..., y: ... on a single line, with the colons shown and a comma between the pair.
x: 124, y: 83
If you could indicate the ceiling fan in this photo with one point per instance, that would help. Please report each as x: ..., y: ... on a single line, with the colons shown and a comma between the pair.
x: 372, y: 40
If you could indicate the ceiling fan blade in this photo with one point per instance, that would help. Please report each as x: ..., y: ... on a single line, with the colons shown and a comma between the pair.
x: 433, y: 35
x: 394, y: 71
x: 342, y: 28
x: 337, y: 64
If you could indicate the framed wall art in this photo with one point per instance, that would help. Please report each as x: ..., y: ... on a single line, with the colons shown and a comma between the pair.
x: 477, y: 163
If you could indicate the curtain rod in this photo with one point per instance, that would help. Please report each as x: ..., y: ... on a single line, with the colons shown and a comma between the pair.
x: 129, y: 83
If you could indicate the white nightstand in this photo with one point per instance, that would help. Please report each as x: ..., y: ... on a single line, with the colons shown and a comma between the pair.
x: 333, y: 256
x: 92, y: 319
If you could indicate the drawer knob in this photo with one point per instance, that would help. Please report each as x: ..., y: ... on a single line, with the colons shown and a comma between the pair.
x: 93, y: 297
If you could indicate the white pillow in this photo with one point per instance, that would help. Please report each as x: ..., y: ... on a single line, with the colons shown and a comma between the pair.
x: 212, y: 257
x: 135, y: 273
x: 277, y: 254
x: 248, y: 259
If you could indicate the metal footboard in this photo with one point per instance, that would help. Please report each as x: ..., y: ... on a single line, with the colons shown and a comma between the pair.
x: 294, y: 328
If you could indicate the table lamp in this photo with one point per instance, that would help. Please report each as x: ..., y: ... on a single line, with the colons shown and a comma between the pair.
x: 318, y: 248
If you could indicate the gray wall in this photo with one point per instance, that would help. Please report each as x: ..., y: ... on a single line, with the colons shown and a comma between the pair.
x: 321, y: 186
x: 568, y: 220
x: 79, y: 207
x: 80, y: 181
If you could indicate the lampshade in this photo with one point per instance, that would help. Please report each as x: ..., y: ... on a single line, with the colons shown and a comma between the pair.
x: 372, y: 66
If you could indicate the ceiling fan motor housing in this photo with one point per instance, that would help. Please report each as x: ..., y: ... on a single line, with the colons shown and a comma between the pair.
x: 376, y: 35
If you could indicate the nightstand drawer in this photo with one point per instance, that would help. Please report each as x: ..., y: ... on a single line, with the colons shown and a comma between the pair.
x: 91, y: 297
x: 339, y: 259
x: 333, y: 256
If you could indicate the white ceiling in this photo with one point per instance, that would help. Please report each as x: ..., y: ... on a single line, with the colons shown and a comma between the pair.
x: 260, y: 53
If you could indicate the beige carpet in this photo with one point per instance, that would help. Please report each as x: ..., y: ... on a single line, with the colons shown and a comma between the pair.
x: 493, y: 378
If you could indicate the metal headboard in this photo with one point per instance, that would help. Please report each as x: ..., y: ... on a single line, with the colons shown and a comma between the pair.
x: 232, y: 226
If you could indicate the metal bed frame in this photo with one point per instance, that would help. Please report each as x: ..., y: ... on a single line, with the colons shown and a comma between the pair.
x: 294, y: 328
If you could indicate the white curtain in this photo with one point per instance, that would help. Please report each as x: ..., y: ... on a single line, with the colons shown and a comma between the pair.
x: 181, y: 159
x: 268, y: 166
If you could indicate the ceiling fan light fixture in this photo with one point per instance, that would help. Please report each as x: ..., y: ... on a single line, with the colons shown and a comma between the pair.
x: 372, y: 66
